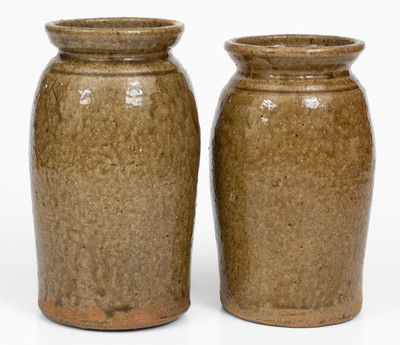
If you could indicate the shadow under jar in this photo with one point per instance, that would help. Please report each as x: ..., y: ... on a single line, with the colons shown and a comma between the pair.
x: 114, y: 160
x: 292, y: 177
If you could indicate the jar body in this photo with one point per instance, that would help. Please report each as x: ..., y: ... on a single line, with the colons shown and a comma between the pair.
x: 293, y: 163
x: 114, y: 161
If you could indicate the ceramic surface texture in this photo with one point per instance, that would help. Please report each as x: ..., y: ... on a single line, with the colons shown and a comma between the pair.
x: 293, y: 164
x: 114, y: 161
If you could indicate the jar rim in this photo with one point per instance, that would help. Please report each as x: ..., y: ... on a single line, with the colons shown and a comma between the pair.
x: 115, y: 37
x: 294, y: 45
x: 116, y: 26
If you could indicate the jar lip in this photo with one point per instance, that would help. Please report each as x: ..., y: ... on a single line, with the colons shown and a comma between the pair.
x: 127, y: 26
x: 115, y: 38
x: 294, y: 45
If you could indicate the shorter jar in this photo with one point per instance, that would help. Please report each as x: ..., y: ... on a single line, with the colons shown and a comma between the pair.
x: 293, y: 166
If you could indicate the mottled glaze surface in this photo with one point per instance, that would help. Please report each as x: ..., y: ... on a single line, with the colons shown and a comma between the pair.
x: 114, y: 161
x: 292, y: 176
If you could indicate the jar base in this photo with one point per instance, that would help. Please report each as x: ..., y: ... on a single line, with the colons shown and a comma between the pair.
x: 94, y: 319
x: 293, y: 317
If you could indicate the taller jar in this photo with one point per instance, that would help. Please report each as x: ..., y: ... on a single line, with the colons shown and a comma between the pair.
x: 114, y: 162
x: 293, y: 166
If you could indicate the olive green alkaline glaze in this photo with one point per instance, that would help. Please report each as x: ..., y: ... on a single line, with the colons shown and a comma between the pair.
x: 114, y: 161
x: 293, y: 165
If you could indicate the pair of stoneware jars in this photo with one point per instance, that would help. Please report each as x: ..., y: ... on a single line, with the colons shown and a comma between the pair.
x: 115, y: 151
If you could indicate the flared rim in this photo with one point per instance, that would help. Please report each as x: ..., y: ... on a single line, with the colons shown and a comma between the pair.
x: 116, y: 26
x: 115, y: 37
x: 294, y: 45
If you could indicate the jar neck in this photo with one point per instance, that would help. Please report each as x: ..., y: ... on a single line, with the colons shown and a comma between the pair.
x: 115, y: 56
x: 294, y: 67
x: 304, y: 74
x: 299, y: 56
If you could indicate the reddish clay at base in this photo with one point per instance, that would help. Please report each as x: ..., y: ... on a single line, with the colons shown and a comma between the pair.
x: 94, y: 318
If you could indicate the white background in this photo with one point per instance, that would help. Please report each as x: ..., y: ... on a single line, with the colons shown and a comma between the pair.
x: 25, y: 51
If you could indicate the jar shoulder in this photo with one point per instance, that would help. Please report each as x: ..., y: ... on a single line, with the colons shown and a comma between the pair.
x: 114, y: 68
x: 104, y: 88
x: 343, y: 81
x: 273, y: 127
x: 308, y: 104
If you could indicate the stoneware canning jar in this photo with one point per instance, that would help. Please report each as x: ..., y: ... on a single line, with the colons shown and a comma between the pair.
x: 293, y: 165
x: 114, y: 162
